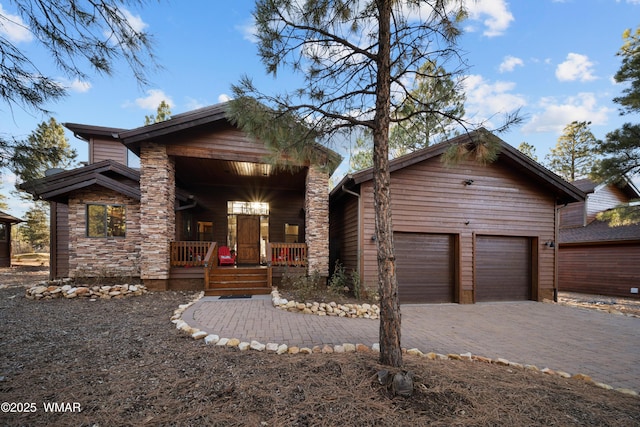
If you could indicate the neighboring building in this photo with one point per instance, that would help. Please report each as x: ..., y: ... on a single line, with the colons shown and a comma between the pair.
x: 465, y: 233
x: 595, y: 257
x: 6, y: 221
x: 202, y: 184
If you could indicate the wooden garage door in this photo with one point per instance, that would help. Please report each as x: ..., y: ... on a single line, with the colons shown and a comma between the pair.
x: 425, y: 267
x: 503, y: 268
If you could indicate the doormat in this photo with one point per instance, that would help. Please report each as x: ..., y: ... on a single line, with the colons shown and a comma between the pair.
x: 234, y: 297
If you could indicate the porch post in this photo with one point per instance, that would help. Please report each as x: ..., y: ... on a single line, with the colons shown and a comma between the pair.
x: 317, y: 221
x: 157, y: 214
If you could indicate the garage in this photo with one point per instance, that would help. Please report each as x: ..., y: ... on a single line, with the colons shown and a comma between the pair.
x: 503, y: 268
x: 425, y: 267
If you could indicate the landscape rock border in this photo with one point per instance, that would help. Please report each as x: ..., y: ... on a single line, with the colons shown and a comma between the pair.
x: 361, y: 311
x: 213, y: 339
x: 66, y: 288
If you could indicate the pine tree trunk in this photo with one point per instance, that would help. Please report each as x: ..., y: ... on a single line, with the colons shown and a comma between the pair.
x: 390, y: 349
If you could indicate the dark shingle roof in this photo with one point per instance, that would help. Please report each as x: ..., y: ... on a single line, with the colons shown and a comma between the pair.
x: 599, y: 231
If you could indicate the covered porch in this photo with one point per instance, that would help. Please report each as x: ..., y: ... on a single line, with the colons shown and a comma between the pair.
x: 204, y: 180
x: 196, y: 264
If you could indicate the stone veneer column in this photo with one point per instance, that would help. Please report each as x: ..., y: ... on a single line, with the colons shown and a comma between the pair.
x: 317, y: 221
x: 157, y: 214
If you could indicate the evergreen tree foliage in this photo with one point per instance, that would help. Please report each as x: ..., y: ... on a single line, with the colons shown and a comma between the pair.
x: 629, y: 72
x: 46, y: 147
x: 432, y: 87
x: 35, y: 229
x: 574, y: 155
x: 356, y: 59
x: 162, y: 113
x: 79, y: 35
x: 528, y: 150
x: 621, y: 147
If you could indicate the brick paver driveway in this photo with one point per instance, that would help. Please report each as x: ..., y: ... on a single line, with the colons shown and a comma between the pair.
x: 602, y: 345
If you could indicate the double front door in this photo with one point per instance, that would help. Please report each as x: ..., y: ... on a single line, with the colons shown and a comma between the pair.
x: 248, y: 239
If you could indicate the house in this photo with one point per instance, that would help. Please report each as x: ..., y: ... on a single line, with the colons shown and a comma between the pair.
x: 6, y: 221
x: 202, y: 184
x: 463, y: 233
x: 595, y: 257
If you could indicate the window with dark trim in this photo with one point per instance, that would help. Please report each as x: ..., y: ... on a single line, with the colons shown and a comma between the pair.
x: 4, y: 235
x: 106, y: 220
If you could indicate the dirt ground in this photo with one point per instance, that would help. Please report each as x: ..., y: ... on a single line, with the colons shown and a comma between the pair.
x: 121, y: 362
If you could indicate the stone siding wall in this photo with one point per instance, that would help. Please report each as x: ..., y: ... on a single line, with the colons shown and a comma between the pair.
x: 103, y: 256
x: 157, y: 214
x: 317, y: 221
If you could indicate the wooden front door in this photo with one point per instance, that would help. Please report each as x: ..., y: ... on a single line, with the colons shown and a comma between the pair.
x: 248, y: 239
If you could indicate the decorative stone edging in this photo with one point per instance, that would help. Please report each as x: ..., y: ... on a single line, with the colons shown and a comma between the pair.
x: 363, y: 311
x: 65, y: 289
x: 213, y: 339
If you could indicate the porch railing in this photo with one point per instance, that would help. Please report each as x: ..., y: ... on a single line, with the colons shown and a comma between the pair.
x: 210, y: 263
x: 288, y: 254
x: 189, y: 254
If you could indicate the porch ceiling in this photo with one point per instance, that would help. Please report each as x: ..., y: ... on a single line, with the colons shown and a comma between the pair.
x: 210, y: 172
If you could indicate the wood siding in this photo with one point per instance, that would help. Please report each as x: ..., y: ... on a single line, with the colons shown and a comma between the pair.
x: 230, y: 144
x: 572, y: 215
x: 59, y: 262
x: 604, y: 198
x: 101, y: 149
x: 5, y: 247
x: 429, y: 197
x: 605, y: 269
x: 343, y: 237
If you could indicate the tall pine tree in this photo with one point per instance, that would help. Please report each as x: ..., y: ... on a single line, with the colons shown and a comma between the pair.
x: 621, y: 148
x: 574, y: 155
x: 355, y: 58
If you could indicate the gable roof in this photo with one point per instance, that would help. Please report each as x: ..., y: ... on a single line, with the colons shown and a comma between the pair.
x: 107, y: 173
x: 5, y: 217
x: 564, y: 191
x: 626, y: 185
x: 178, y: 123
x: 85, y: 132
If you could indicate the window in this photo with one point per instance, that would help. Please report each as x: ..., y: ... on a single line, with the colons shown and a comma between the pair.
x: 205, y: 231
x: 106, y: 221
x: 247, y: 208
x: 291, y: 233
x: 4, y: 235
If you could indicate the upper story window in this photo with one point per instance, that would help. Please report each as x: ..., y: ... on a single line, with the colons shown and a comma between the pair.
x: 106, y: 220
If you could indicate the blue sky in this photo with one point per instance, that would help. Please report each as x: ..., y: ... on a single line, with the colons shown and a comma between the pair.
x: 553, y: 59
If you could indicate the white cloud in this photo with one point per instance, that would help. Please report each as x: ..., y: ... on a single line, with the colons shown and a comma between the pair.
x: 134, y: 20
x: 510, y: 63
x: 13, y: 27
x: 486, y: 100
x: 575, y: 67
x: 223, y: 97
x: 151, y: 101
x: 78, y: 86
x: 556, y: 114
x: 248, y: 31
x: 494, y: 14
